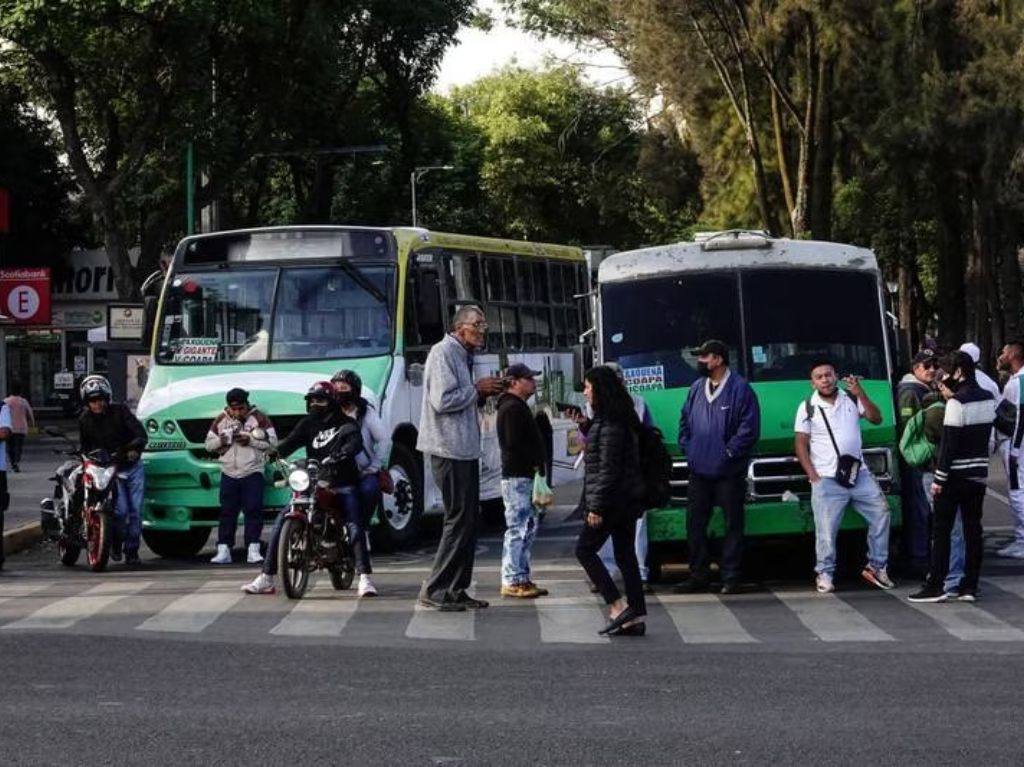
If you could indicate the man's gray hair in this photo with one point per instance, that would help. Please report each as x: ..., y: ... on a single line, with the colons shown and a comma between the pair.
x: 465, y: 315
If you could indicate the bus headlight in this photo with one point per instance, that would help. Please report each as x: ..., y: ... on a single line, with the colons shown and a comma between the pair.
x: 169, y: 427
x: 298, y: 480
x: 152, y: 426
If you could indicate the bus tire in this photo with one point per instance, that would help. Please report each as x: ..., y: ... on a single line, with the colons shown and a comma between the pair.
x: 399, y: 513
x: 176, y: 544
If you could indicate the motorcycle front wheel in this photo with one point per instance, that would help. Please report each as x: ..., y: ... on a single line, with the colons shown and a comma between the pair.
x: 68, y: 552
x: 99, y: 528
x: 293, y: 558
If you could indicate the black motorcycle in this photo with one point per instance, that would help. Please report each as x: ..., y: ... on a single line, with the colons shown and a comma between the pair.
x: 313, y: 536
x: 81, y: 513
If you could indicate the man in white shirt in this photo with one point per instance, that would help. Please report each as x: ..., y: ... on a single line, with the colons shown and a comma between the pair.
x: 1011, y: 360
x: 827, y: 426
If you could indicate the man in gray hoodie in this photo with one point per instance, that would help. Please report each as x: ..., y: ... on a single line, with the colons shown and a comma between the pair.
x: 450, y: 435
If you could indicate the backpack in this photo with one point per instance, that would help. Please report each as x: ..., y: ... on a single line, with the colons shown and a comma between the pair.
x: 915, y: 447
x: 655, y: 468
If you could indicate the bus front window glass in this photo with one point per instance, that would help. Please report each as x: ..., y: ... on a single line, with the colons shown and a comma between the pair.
x: 654, y: 323
x: 797, y: 316
x: 212, y: 317
x: 462, y: 274
x: 327, y: 312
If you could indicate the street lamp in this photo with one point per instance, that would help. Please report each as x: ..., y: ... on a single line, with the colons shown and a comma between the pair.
x: 416, y: 175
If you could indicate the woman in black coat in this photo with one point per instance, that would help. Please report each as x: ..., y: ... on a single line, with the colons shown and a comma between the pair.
x: 611, y: 498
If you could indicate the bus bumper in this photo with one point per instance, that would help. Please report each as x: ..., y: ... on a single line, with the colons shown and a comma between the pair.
x: 774, y: 518
x: 183, y: 492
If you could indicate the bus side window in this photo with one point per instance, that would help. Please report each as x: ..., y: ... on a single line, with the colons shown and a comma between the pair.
x: 424, y: 318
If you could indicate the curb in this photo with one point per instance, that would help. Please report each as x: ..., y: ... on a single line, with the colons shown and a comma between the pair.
x: 22, y: 537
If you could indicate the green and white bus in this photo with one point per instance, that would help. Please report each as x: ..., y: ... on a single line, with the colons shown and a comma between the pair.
x: 273, y: 310
x: 779, y: 304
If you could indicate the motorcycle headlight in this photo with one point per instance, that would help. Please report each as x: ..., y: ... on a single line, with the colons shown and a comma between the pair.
x: 298, y: 480
x: 102, y: 477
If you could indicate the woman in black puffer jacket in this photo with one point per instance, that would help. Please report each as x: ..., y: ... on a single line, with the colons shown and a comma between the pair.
x: 611, y: 490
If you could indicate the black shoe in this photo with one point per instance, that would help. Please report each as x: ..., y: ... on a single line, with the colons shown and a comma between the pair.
x: 616, y: 623
x: 731, y: 587
x: 929, y: 594
x: 442, y: 605
x: 462, y: 598
x: 692, y: 586
x: 632, y: 630
x: 648, y: 588
x: 15, y: 467
x: 131, y: 557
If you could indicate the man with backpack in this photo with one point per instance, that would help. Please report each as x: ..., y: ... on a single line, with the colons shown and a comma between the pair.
x: 828, y: 445
x: 719, y: 425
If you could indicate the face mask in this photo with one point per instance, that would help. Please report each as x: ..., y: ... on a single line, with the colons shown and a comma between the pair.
x: 346, y: 397
x: 703, y: 370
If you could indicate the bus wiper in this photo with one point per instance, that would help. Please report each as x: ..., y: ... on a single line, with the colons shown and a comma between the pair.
x: 363, y: 281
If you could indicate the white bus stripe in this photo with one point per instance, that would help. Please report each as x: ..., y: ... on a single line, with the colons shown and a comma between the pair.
x: 66, y: 612
x: 703, y: 619
x: 964, y: 621
x: 831, y: 619
x: 572, y: 617
x: 193, y: 612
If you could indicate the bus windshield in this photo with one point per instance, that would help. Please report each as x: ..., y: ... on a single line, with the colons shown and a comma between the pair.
x: 789, y: 318
x: 273, y: 314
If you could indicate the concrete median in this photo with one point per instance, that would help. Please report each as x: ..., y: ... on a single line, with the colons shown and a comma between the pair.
x: 22, y: 537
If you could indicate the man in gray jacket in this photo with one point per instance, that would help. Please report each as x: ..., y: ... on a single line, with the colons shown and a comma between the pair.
x: 450, y: 435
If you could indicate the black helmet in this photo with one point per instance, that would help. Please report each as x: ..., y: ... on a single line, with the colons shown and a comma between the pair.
x: 352, y: 378
x: 321, y: 390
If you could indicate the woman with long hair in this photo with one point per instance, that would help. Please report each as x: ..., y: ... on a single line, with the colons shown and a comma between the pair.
x: 612, y: 499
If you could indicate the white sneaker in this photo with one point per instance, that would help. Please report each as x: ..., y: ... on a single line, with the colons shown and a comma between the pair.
x: 223, y: 556
x: 824, y: 583
x: 1014, y: 551
x: 261, y: 584
x: 366, y: 587
x: 254, y: 557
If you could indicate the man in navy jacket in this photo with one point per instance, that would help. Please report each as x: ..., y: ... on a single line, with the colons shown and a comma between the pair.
x: 719, y: 425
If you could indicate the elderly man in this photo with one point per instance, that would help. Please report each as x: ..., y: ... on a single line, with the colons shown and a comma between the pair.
x: 450, y: 435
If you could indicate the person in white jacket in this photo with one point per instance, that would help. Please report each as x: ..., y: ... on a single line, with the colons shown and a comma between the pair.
x: 241, y: 435
x: 371, y: 460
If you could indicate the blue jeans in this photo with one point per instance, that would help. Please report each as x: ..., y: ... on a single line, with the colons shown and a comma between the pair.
x: 607, y: 553
x: 131, y: 486
x: 956, y: 543
x: 520, y: 530
x: 917, y: 514
x: 829, y: 500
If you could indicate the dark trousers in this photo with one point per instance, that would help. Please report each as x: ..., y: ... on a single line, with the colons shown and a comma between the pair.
x: 15, y: 443
x: 704, y: 493
x: 453, y: 564
x: 623, y: 534
x: 968, y: 497
x: 245, y: 495
x: 917, y: 512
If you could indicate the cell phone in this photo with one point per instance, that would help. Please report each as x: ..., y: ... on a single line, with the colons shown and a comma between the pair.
x: 565, y: 406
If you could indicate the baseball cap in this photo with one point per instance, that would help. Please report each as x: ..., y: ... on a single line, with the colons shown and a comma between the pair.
x: 712, y: 346
x: 237, y: 397
x: 519, y: 370
x: 925, y: 355
x: 972, y: 350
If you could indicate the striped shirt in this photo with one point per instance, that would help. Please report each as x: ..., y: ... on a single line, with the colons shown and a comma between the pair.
x: 963, y: 450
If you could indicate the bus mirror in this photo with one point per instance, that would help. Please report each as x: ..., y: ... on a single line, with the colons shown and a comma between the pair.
x: 582, y: 361
x: 414, y: 374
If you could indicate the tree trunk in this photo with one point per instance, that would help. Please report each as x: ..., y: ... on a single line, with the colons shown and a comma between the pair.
x: 950, y: 266
x: 805, y: 165
x: 782, y: 155
x: 824, y: 151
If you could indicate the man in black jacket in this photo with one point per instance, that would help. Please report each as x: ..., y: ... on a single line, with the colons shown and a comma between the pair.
x: 960, y: 473
x: 522, y: 456
x: 104, y: 425
x: 325, y: 432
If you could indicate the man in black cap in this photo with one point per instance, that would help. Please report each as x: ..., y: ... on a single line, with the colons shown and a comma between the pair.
x: 240, y: 436
x: 718, y: 428
x: 522, y: 456
x: 910, y: 393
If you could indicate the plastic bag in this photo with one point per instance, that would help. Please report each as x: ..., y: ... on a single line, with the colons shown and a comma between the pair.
x: 542, y: 495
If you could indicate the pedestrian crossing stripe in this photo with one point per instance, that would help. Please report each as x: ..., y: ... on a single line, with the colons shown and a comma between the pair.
x: 571, y: 616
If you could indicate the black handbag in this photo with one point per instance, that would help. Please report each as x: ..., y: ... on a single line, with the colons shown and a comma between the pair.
x: 847, y: 466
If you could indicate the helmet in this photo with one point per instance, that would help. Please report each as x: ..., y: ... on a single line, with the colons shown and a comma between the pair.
x: 94, y: 386
x: 352, y: 378
x: 321, y: 390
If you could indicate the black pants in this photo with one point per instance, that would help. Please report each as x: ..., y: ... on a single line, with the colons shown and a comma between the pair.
x: 5, y: 501
x: 968, y: 496
x: 15, y: 443
x: 704, y: 493
x: 460, y: 491
x: 623, y: 534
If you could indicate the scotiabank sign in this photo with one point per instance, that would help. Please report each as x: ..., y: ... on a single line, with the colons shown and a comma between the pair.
x: 25, y: 295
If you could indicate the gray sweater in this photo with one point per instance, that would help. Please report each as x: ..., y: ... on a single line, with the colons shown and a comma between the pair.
x: 448, y: 423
